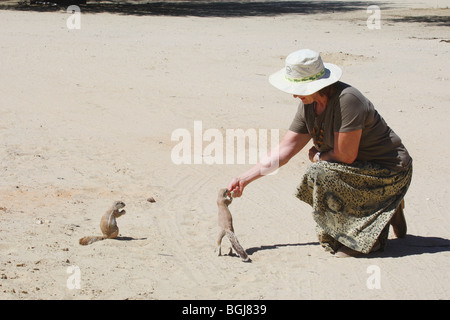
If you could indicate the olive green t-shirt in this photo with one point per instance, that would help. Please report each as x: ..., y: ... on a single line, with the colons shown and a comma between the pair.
x: 348, y: 110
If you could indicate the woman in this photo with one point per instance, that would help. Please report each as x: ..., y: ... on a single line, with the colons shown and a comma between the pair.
x: 360, y: 169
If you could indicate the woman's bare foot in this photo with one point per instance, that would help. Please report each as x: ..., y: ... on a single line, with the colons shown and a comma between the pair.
x: 346, y: 252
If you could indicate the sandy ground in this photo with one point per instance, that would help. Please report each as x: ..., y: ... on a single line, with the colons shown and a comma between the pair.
x: 87, y: 116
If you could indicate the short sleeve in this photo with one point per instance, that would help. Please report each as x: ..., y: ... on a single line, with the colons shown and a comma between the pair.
x: 352, y: 114
x: 298, y: 125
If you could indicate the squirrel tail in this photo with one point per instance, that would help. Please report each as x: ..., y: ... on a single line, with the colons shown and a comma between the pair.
x: 89, y: 240
x: 237, y: 246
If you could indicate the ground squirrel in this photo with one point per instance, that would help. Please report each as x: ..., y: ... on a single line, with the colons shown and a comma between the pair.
x: 226, y: 225
x: 108, y: 224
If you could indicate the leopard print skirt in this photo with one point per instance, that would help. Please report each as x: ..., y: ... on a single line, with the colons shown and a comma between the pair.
x: 352, y: 204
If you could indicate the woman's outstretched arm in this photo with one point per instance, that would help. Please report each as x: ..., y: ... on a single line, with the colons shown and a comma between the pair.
x: 289, y: 146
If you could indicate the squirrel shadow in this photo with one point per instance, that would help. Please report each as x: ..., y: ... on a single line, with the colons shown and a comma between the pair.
x: 252, y: 250
x: 128, y: 238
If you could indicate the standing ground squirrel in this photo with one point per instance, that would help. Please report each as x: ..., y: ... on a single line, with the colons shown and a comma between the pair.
x: 226, y: 225
x: 108, y: 224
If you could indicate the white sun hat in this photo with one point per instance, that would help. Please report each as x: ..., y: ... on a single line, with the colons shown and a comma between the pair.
x: 305, y: 73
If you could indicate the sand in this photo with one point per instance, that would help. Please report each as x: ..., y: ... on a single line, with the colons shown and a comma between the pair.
x: 87, y: 117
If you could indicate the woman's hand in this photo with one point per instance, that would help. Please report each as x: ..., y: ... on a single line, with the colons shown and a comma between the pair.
x: 236, y: 186
x: 312, y: 153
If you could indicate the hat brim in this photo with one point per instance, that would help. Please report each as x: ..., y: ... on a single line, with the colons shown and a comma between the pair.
x: 332, y: 74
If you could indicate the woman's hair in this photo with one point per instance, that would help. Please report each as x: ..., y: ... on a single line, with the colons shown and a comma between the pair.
x: 328, y: 91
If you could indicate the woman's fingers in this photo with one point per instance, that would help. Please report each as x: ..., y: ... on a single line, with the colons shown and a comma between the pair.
x: 236, y: 186
x: 312, y: 153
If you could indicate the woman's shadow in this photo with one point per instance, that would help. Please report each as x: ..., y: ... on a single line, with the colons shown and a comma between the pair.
x: 408, y: 246
x: 412, y: 245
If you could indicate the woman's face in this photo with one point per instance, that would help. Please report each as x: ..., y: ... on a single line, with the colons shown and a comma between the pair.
x: 306, y: 99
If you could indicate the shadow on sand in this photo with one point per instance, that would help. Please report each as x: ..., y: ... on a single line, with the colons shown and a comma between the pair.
x: 432, y: 20
x: 252, y: 250
x: 412, y: 245
x: 396, y: 248
x: 129, y: 238
x: 202, y: 8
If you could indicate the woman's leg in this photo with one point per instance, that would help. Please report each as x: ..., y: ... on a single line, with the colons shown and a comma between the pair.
x: 353, y: 204
x: 398, y: 221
